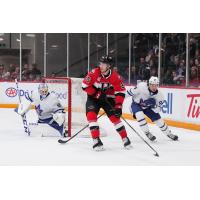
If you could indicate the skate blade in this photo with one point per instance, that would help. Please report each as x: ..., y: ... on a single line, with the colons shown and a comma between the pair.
x: 128, y: 147
x: 173, y: 139
x: 99, y: 149
x: 152, y: 140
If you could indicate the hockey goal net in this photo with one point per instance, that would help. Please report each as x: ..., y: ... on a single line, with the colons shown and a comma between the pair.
x: 73, y: 98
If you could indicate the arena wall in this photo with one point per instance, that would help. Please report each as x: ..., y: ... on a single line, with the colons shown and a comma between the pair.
x: 181, y: 107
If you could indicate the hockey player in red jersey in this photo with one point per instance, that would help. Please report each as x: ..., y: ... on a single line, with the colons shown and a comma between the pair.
x: 105, y: 89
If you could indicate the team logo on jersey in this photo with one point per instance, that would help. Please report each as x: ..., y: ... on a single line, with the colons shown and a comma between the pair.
x: 105, y: 86
x: 11, y: 92
x: 87, y: 79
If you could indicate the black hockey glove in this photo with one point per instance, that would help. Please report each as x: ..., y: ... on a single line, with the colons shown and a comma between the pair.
x: 118, y: 111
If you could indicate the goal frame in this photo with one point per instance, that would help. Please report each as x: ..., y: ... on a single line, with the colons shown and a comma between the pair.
x: 69, y: 98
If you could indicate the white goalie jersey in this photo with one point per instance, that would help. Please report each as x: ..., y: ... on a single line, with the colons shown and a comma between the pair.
x: 141, y: 93
x: 45, y: 107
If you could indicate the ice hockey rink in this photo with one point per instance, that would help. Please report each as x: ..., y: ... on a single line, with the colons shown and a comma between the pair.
x: 16, y: 148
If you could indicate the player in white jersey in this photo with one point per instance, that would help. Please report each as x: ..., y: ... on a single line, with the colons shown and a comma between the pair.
x: 48, y: 108
x: 147, y: 100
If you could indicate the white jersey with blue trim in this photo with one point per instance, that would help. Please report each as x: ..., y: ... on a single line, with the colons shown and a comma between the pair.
x: 141, y: 93
x: 45, y: 107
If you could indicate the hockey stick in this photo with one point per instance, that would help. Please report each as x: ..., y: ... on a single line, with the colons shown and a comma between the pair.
x: 24, y: 120
x: 61, y: 141
x: 156, y: 153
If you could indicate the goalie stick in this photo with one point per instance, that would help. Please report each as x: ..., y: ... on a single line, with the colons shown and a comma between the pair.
x: 24, y: 120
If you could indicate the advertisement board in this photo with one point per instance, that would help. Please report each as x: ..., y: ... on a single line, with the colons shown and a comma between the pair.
x: 180, y: 104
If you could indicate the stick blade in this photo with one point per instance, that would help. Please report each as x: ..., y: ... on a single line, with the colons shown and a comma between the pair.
x: 156, y: 154
x: 62, y: 141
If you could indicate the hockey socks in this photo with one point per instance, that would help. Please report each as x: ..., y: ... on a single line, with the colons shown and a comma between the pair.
x: 143, y: 125
x: 165, y: 129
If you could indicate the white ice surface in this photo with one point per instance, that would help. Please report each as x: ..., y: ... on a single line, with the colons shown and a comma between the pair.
x: 16, y: 148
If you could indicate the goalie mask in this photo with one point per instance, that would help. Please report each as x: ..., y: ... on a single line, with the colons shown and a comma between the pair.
x: 43, y: 89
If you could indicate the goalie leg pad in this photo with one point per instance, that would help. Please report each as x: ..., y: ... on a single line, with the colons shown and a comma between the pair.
x: 56, y: 126
x: 59, y: 118
x: 53, y: 124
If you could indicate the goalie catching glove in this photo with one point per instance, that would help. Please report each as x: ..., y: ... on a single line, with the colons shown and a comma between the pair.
x: 59, y: 117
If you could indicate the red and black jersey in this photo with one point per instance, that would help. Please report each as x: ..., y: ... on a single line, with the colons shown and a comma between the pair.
x: 111, y: 84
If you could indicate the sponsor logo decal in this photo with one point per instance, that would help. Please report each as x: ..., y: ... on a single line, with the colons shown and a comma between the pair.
x: 194, y: 106
x: 166, y: 107
x: 11, y: 92
x: 60, y: 95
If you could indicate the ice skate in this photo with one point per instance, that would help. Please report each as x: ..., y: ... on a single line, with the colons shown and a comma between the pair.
x: 127, y: 143
x: 150, y: 136
x: 98, y: 145
x: 172, y: 136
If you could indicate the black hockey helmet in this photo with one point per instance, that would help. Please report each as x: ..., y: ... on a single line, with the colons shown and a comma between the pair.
x: 106, y: 59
